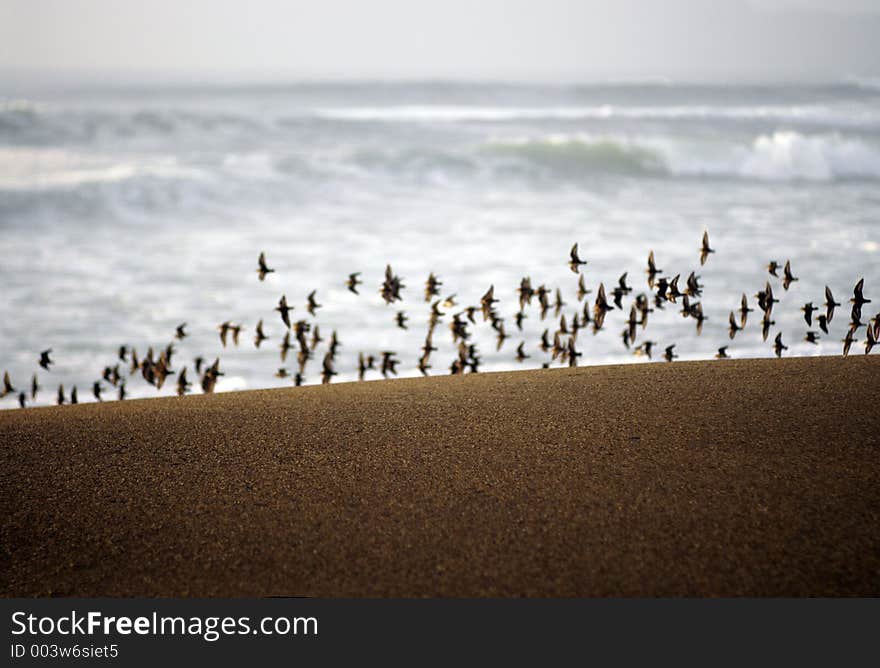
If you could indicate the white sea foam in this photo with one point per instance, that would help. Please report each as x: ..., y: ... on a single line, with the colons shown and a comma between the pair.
x: 817, y: 114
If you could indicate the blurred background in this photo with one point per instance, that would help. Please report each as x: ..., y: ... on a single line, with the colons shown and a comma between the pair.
x: 148, y: 154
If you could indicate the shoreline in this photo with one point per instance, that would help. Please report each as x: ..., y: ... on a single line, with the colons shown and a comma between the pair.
x: 752, y: 477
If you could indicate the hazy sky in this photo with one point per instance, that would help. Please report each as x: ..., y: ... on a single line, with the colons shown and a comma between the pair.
x: 463, y: 39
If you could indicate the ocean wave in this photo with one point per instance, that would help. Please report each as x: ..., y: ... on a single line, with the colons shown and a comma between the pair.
x: 780, y: 156
x: 41, y: 169
x: 811, y: 114
x: 24, y: 123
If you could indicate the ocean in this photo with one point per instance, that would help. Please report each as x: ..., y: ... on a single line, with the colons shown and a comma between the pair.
x: 127, y: 210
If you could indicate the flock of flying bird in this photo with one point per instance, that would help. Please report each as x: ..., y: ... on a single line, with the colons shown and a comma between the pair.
x: 561, y: 344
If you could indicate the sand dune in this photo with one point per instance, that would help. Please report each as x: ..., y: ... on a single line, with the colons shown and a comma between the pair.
x: 753, y: 477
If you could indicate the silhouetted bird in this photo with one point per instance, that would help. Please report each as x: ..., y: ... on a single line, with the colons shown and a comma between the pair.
x: 871, y: 340
x: 582, y: 290
x: 573, y: 354
x: 823, y: 322
x: 858, y: 298
x: 180, y: 333
x: 704, y: 249
x: 778, y: 346
x: 35, y: 387
x: 236, y: 331
x: 829, y: 304
x: 848, y: 340
x: 744, y: 311
x: 60, y: 398
x: 353, y: 281
x: 312, y: 305
x: 722, y: 353
x: 224, y: 331
x: 22, y: 400
x: 391, y: 286
x: 812, y: 337
x: 520, y: 353
x: 44, y: 359
x: 401, y: 320
x: 262, y: 268
x: 259, y: 337
x: 96, y: 390
x: 183, y: 384
x: 7, y: 385
x: 773, y: 267
x: 788, y: 278
x: 734, y: 328
x: 284, y: 310
x: 486, y: 302
x: 808, y: 310
x: 670, y: 355
x: 644, y: 348
x: 574, y: 261
x: 432, y: 287
x: 652, y: 270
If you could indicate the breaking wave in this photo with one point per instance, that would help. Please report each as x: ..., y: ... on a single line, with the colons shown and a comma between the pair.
x: 780, y: 156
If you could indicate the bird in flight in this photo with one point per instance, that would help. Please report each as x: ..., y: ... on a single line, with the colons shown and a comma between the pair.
x: 574, y: 261
x: 704, y: 249
x: 262, y: 268
x: 45, y: 361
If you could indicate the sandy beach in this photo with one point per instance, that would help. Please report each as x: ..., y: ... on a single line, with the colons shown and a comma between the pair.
x: 735, y: 478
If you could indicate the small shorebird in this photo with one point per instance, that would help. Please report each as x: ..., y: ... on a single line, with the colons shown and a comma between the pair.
x: 778, y: 346
x: 744, y: 311
x: 574, y: 262
x: 7, y: 385
x: 259, y: 337
x: 830, y: 304
x: 848, y: 340
x: 486, y: 302
x: 312, y: 304
x: 520, y: 353
x: 401, y: 319
x: 788, y: 278
x: 812, y: 337
x: 224, y: 328
x: 284, y: 310
x: 722, y: 353
x: 871, y: 340
x: 45, y: 361
x: 704, y: 249
x: 353, y: 281
x: 652, y: 270
x: 35, y: 387
x: 808, y: 310
x: 179, y: 334
x: 670, y: 355
x: 432, y: 287
x: 96, y: 390
x: 773, y: 267
x: 262, y: 268
x: 858, y: 298
x: 734, y: 328
x: 183, y: 384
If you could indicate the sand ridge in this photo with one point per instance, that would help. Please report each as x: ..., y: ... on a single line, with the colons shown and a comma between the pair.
x: 741, y: 477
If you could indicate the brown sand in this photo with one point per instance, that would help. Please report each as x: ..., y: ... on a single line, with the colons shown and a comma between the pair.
x: 753, y: 477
